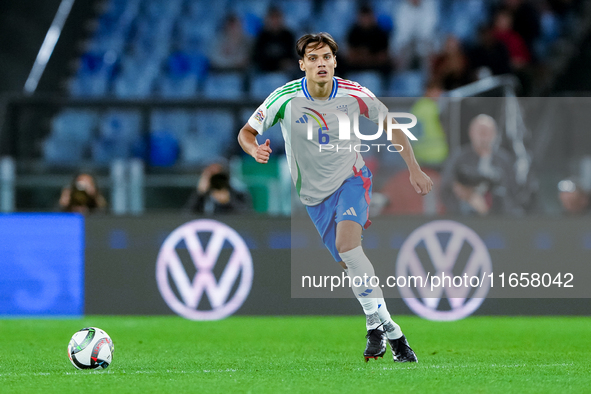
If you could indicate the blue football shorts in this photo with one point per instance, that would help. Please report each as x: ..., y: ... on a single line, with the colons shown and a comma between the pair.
x: 348, y: 202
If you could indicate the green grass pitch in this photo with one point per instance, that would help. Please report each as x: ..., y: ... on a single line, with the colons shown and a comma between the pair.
x: 300, y: 355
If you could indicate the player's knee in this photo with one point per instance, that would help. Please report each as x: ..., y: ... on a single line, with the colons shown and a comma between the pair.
x: 345, y: 246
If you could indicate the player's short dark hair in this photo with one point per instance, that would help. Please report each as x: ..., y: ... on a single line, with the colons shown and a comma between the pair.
x: 317, y: 40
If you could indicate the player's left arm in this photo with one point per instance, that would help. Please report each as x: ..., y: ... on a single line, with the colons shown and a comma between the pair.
x: 420, y: 181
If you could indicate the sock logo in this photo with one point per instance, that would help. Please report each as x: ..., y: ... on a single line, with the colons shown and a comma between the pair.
x: 365, y: 293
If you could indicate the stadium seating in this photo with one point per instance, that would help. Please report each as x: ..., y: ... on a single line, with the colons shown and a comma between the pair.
x: 462, y: 18
x: 184, y: 75
x: 209, y: 137
x: 407, y: 84
x: 164, y: 148
x: 203, y: 136
x: 114, y: 26
x: 76, y: 132
x: 251, y: 13
x: 178, y: 122
x: 243, y: 7
x: 262, y: 85
x: 217, y: 124
x: 63, y: 151
x: 298, y: 14
x: 143, y: 36
x: 369, y: 79
x: 336, y: 17
x: 76, y: 125
x: 119, y: 132
x: 120, y: 125
x: 94, y: 75
x: 137, y: 77
x: 192, y: 35
x: 159, y: 49
x: 384, y: 7
x: 104, y: 150
x: 201, y: 149
x: 224, y: 86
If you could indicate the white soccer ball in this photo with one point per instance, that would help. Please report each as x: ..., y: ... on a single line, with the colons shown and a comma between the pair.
x: 90, y: 348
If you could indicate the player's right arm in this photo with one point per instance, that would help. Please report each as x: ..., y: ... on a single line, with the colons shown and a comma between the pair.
x: 248, y: 141
x: 271, y: 111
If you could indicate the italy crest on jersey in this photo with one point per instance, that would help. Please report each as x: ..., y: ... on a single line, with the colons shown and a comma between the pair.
x: 343, y: 108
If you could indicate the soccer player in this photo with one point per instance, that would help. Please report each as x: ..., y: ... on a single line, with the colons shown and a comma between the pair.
x: 334, y: 184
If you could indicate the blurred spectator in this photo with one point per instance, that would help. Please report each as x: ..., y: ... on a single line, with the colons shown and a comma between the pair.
x: 574, y: 198
x: 368, y: 44
x: 518, y: 51
x: 551, y: 26
x: 480, y: 177
x: 415, y: 32
x: 563, y: 10
x: 561, y: 7
x: 450, y: 66
x: 526, y: 21
x: 82, y: 196
x: 431, y: 149
x: 504, y: 32
x: 231, y: 48
x: 489, y: 56
x: 274, y: 46
x: 215, y: 195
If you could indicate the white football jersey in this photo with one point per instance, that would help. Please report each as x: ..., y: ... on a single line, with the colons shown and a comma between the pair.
x: 319, y: 160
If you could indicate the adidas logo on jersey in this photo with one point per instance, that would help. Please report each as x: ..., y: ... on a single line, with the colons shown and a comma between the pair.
x: 350, y: 212
x: 303, y: 119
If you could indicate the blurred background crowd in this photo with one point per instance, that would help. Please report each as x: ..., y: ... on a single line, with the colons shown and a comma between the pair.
x: 146, y: 98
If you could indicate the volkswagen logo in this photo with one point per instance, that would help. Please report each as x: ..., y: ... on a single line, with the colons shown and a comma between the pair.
x: 236, y: 270
x: 449, y: 249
